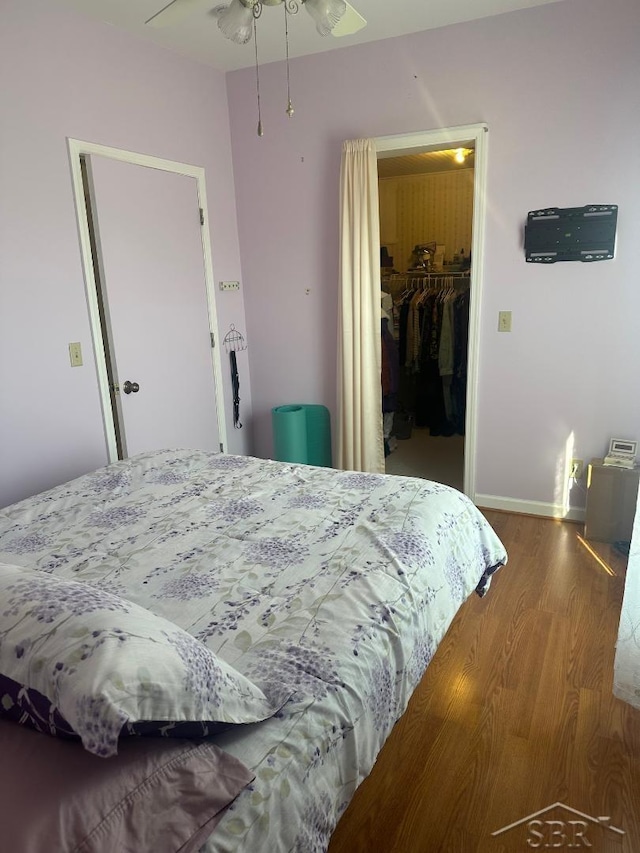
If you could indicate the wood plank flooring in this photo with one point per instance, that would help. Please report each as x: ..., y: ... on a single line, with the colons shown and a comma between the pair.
x: 515, y: 713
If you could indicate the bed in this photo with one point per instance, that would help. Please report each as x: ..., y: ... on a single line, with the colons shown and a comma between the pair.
x: 328, y: 591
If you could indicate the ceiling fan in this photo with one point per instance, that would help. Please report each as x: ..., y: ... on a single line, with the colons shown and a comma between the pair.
x: 235, y: 19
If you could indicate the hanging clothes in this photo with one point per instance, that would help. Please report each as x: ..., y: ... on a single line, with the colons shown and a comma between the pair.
x: 430, y: 411
x: 432, y: 341
x: 390, y: 369
x: 390, y: 378
x: 446, y: 356
x: 459, y: 381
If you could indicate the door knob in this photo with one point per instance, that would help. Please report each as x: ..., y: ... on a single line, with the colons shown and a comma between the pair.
x: 130, y: 387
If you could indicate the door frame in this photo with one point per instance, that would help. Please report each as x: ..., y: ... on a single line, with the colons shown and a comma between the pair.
x: 455, y: 137
x: 77, y: 148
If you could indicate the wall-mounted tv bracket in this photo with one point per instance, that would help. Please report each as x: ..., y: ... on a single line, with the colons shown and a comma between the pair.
x: 571, y: 234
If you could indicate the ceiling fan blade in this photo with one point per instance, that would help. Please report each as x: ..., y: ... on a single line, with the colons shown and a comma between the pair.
x: 349, y: 23
x: 176, y: 11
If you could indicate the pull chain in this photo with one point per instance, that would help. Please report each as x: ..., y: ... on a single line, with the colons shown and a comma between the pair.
x: 255, y: 41
x: 290, y: 109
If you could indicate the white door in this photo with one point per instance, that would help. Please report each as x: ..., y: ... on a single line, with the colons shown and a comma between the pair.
x: 149, y: 246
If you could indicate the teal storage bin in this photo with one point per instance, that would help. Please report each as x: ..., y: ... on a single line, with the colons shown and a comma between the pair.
x: 302, y: 433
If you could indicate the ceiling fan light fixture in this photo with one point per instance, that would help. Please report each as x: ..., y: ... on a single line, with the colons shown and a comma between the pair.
x: 325, y: 13
x: 235, y: 21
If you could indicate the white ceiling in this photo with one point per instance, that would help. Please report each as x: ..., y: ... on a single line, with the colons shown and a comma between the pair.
x: 198, y: 36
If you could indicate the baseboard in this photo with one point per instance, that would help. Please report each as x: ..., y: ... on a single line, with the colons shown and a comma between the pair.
x: 530, y: 507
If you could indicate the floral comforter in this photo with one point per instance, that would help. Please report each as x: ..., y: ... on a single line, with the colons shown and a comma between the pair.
x: 338, y: 584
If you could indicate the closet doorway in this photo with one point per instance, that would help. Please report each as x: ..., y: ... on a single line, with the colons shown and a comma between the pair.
x: 431, y: 189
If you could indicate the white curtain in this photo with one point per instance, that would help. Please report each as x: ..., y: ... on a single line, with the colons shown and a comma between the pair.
x: 360, y: 438
x: 626, y: 671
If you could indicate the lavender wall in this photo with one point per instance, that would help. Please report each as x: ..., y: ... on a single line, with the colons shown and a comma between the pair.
x: 66, y: 76
x: 558, y: 87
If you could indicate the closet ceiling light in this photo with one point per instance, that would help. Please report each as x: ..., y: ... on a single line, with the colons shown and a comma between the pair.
x: 460, y: 156
x: 237, y: 21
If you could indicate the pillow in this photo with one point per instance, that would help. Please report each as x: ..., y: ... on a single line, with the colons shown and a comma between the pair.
x: 103, y: 662
x: 160, y: 796
x: 29, y: 707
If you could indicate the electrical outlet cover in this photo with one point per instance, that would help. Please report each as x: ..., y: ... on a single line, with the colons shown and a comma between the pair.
x: 504, y: 321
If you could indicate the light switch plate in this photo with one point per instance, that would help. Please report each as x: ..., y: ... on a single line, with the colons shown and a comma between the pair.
x: 75, y: 354
x: 504, y: 321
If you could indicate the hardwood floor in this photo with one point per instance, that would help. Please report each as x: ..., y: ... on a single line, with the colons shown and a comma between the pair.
x: 515, y: 713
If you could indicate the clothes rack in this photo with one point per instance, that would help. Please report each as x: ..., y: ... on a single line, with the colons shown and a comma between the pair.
x: 411, y: 281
